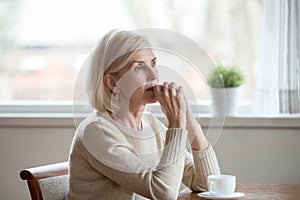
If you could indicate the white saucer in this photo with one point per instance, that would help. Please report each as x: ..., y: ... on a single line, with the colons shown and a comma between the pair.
x: 208, y: 195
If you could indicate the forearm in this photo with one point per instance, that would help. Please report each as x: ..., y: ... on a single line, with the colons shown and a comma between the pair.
x: 206, y: 163
x: 203, y: 163
x: 195, y: 133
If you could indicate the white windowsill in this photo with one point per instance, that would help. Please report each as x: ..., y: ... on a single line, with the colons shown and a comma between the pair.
x: 65, y: 120
x: 60, y: 115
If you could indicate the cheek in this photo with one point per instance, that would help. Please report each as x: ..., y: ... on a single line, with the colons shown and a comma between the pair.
x: 135, y: 95
x: 131, y: 84
x: 138, y: 93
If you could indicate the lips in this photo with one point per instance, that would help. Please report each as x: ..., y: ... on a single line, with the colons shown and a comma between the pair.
x: 150, y: 88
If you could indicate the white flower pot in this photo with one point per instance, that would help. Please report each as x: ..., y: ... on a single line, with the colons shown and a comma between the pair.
x: 224, y: 101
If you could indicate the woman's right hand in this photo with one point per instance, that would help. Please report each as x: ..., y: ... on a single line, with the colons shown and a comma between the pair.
x: 172, y: 103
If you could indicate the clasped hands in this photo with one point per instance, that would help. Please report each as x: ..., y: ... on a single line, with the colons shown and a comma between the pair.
x: 179, y: 114
x: 173, y: 103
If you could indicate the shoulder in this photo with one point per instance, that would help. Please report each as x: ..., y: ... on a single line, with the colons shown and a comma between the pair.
x: 98, y: 126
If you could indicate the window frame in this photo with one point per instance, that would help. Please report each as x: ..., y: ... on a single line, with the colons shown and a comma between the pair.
x: 66, y: 107
x: 59, y: 117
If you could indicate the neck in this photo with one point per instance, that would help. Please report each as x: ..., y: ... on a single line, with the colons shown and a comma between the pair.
x: 131, y: 116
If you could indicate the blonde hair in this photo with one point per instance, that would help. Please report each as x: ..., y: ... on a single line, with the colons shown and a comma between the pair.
x: 111, y: 55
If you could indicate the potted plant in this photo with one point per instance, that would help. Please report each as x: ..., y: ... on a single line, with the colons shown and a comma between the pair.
x: 224, y: 82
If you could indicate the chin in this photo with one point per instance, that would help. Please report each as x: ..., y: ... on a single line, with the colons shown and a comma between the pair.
x: 154, y: 101
x: 151, y: 100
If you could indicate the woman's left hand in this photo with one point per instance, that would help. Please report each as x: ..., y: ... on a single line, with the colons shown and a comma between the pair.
x: 172, y: 103
x: 196, y: 136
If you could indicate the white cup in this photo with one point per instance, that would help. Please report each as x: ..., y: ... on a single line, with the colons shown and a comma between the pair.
x: 221, y: 185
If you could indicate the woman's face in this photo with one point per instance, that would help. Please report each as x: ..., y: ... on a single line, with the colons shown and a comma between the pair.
x: 138, y: 78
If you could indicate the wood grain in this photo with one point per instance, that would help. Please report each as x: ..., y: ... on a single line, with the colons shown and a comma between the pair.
x: 259, y: 192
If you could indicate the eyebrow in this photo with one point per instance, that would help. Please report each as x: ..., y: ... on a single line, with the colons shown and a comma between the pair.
x: 139, y: 61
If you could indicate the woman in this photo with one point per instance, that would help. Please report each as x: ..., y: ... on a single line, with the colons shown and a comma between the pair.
x: 123, y: 152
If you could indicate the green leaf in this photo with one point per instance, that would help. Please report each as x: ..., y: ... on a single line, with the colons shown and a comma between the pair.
x: 225, y: 76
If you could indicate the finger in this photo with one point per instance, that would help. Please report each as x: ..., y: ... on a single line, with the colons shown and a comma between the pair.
x: 180, y: 91
x: 173, y: 99
x: 173, y: 89
x: 184, y: 96
x: 180, y: 97
x: 166, y: 89
x: 166, y: 99
x: 157, y: 90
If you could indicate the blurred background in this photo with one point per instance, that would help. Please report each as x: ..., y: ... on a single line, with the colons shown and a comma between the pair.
x: 43, y: 43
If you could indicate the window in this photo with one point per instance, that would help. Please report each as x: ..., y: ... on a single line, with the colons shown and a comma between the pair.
x: 44, y: 43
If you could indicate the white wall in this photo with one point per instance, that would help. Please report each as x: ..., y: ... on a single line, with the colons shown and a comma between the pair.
x: 26, y: 147
x: 265, y: 154
x: 260, y: 155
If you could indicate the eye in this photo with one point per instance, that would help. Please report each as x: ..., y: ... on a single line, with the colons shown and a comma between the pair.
x: 153, y: 64
x: 138, y: 67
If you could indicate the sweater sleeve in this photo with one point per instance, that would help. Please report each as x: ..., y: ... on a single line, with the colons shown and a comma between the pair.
x: 112, y: 156
x: 198, y: 165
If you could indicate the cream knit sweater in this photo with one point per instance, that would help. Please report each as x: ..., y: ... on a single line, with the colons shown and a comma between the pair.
x: 110, y: 161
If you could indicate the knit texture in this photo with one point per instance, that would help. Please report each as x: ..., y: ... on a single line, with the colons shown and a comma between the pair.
x: 54, y: 188
x: 110, y: 161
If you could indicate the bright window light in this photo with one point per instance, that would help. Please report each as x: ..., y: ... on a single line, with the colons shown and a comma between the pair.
x: 44, y: 42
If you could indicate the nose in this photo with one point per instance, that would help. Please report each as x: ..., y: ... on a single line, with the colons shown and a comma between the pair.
x: 152, y: 74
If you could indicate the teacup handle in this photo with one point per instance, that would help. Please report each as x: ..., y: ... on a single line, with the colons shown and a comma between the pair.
x: 212, y: 187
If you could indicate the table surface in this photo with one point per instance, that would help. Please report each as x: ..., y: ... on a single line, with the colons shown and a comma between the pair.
x: 259, y: 191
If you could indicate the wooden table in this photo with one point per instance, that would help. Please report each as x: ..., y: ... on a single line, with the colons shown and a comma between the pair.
x: 259, y: 191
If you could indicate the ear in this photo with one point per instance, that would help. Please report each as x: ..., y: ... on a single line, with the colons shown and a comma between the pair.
x: 110, y: 82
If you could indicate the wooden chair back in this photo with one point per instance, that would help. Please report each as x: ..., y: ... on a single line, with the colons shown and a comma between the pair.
x: 47, y: 182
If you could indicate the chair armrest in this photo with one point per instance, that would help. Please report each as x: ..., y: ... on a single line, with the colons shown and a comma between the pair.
x: 46, y: 171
